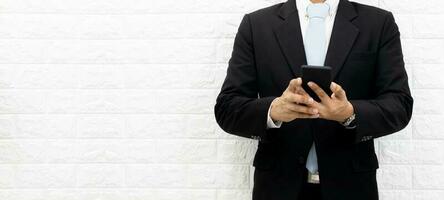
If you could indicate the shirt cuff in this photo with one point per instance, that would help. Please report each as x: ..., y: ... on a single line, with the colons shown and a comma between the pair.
x: 270, y: 122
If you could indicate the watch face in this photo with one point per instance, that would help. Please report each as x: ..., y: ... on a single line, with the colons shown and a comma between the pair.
x: 349, y: 120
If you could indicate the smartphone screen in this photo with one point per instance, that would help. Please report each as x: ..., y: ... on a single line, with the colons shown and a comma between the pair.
x: 321, y: 75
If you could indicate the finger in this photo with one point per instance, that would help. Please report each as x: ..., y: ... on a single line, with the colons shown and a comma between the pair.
x: 300, y: 90
x: 294, y: 84
x: 318, y: 90
x: 302, y: 109
x: 317, y: 105
x: 300, y: 99
x: 307, y: 116
x: 337, y: 90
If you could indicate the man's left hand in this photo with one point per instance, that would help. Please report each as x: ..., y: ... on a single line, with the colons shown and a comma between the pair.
x: 335, y: 107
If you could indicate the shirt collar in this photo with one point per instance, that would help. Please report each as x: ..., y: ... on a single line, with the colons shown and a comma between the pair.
x: 302, y: 5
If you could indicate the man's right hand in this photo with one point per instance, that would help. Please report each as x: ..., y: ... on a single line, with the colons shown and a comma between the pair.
x: 294, y: 103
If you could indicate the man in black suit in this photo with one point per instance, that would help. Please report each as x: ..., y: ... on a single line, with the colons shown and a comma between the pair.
x: 262, y: 98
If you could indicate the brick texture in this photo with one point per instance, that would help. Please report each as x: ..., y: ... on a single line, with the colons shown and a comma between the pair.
x: 113, y: 99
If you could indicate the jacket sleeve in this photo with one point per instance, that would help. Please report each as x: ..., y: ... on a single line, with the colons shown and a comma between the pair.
x: 239, y: 110
x: 391, y: 109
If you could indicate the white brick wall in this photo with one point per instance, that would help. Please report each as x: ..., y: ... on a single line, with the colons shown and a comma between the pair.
x: 98, y: 101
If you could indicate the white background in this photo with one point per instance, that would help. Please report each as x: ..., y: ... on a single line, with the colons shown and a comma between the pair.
x: 113, y: 99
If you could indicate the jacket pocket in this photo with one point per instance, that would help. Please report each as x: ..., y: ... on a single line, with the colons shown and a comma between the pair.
x: 364, y: 158
x: 362, y: 56
x: 264, y: 158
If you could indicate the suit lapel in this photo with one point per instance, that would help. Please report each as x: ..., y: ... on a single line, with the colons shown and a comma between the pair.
x: 289, y: 36
x: 343, y: 37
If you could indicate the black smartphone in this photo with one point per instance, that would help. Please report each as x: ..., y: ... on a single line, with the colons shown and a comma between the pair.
x: 321, y: 75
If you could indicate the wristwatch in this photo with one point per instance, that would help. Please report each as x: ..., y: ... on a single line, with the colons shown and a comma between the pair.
x: 348, y: 122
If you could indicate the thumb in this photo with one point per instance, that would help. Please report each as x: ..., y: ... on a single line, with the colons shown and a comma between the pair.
x: 294, y: 84
x: 338, y: 92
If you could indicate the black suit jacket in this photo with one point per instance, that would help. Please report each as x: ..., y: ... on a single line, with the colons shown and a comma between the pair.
x: 366, y: 57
